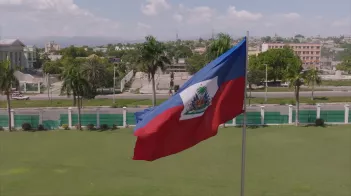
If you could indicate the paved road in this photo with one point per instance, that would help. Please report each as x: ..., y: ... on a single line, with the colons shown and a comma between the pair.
x: 162, y: 96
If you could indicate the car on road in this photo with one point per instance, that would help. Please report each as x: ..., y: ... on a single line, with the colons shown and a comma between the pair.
x: 19, y: 96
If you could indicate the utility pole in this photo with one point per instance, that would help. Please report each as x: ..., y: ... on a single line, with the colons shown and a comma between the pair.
x: 265, y: 97
x: 114, y: 83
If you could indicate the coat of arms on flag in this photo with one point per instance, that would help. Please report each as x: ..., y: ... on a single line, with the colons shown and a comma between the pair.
x: 197, y: 98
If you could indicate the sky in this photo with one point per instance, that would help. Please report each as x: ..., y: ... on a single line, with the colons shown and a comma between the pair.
x: 134, y: 19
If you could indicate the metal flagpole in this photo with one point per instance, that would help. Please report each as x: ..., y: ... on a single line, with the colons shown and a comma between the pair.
x: 243, y: 148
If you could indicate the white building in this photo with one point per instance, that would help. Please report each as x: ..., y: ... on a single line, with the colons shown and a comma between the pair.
x: 30, y: 53
x: 13, y: 49
x: 119, y: 48
x: 103, y: 50
x: 51, y: 47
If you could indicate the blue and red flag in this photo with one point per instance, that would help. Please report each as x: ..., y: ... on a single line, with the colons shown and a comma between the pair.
x: 213, y: 96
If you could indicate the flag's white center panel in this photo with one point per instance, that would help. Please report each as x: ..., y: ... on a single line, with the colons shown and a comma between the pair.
x: 197, y: 98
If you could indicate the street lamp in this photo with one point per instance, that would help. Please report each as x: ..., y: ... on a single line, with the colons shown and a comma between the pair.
x: 114, y: 83
x: 265, y: 97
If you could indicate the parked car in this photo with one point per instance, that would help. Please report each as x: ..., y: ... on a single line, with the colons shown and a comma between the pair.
x: 18, y: 96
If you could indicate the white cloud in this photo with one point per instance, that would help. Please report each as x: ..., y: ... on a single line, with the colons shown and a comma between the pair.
x: 178, y: 17
x: 52, y: 18
x: 143, y: 26
x: 344, y: 22
x: 154, y: 7
x: 196, y: 15
x: 243, y: 14
x: 292, y: 15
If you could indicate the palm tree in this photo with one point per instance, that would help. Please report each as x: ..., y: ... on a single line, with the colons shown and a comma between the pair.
x: 295, y: 75
x: 7, y: 81
x: 312, y: 78
x: 75, y: 83
x: 220, y: 45
x: 95, y: 73
x: 152, y: 56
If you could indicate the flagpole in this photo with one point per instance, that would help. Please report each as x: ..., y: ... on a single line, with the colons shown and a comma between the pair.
x: 243, y: 147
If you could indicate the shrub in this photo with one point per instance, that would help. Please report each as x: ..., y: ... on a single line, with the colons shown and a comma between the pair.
x: 41, y: 128
x: 77, y: 126
x: 282, y: 103
x: 104, y: 127
x: 91, y: 127
x: 292, y: 102
x: 311, y: 102
x: 319, y: 122
x: 26, y: 127
x: 114, y: 127
x: 176, y: 88
x: 2, y: 128
x: 65, y: 127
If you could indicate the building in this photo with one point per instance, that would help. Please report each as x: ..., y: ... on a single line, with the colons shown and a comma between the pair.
x: 103, y: 50
x: 310, y: 53
x: 52, y: 47
x: 30, y: 53
x: 119, y: 48
x: 13, y: 49
x: 179, y: 66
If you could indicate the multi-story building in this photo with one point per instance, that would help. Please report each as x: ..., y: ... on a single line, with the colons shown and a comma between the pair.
x: 52, y: 47
x: 179, y: 66
x: 13, y: 50
x: 310, y: 53
x: 30, y: 53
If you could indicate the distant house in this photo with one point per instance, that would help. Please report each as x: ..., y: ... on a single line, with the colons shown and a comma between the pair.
x: 119, y: 48
x: 103, y: 50
x: 200, y: 50
x: 54, y: 57
x: 52, y: 47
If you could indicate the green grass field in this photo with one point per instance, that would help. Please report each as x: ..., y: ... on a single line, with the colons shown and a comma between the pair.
x: 336, y: 82
x: 147, y: 102
x: 281, y: 161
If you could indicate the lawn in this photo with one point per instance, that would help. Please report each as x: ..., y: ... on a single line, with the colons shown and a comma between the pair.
x: 336, y: 82
x: 147, y: 102
x: 281, y: 161
x: 286, y: 89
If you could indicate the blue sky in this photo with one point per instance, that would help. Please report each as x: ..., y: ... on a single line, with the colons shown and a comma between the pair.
x: 133, y: 19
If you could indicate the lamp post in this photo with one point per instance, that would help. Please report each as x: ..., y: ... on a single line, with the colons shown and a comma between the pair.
x: 265, y: 97
x: 114, y: 83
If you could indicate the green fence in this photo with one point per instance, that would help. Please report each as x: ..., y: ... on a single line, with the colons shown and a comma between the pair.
x: 131, y: 119
x: 31, y: 119
x: 253, y: 118
x: 111, y: 119
x: 51, y: 124
x: 275, y: 118
x: 4, y: 121
x: 333, y: 116
x: 305, y: 116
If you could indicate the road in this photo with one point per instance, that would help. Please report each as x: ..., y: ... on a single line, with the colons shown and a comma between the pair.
x: 163, y: 96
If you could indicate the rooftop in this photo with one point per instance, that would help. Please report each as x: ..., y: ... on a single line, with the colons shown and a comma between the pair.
x: 7, y: 42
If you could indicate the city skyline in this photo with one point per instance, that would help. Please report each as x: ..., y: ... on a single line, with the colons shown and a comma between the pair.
x: 130, y: 20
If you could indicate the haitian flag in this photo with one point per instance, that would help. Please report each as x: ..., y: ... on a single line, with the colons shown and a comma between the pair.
x: 213, y: 96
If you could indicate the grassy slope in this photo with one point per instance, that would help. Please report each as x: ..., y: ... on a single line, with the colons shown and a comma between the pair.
x: 281, y: 161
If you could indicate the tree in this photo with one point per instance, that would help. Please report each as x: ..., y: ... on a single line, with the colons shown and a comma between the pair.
x: 345, y: 65
x: 7, y: 81
x: 195, y: 63
x: 219, y: 46
x: 152, y: 56
x: 266, y: 39
x: 53, y: 67
x: 74, y: 83
x: 312, y: 78
x: 277, y: 60
x: 95, y: 72
x: 294, y: 75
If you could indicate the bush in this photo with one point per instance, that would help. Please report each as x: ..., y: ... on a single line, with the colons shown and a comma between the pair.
x: 282, y: 103
x: 91, y: 127
x: 77, y: 126
x: 26, y: 127
x: 311, y: 102
x: 176, y: 88
x: 292, y: 102
x: 319, y: 122
x: 65, y: 127
x: 41, y: 128
x: 104, y: 127
x: 114, y: 127
x: 2, y: 128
